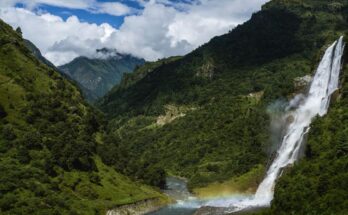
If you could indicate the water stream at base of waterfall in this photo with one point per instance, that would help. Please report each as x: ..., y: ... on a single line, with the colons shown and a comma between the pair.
x: 315, y: 103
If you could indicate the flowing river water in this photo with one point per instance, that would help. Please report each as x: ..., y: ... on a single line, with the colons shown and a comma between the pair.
x: 300, y: 112
x: 177, y: 189
x: 186, y: 203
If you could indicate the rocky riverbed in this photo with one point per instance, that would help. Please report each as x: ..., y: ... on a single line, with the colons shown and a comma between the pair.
x: 138, y: 208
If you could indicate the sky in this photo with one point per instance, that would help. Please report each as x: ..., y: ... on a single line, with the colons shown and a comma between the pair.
x: 149, y: 29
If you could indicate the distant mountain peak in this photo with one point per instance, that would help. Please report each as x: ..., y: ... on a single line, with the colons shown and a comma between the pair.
x: 106, y: 53
x: 98, y: 73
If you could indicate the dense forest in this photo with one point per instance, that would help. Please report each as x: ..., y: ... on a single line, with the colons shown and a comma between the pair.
x: 319, y: 180
x: 96, y: 75
x: 206, y: 116
x: 48, y: 142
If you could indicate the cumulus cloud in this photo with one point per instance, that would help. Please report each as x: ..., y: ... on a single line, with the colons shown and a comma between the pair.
x: 160, y: 29
x: 146, y: 36
x: 59, y: 40
x: 112, y: 8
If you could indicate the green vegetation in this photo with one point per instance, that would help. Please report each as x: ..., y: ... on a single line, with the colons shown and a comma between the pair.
x: 319, y: 181
x: 48, y: 141
x: 246, y: 183
x: 202, y: 116
x: 229, y: 82
x: 98, y: 75
x: 141, y: 71
x: 37, y: 53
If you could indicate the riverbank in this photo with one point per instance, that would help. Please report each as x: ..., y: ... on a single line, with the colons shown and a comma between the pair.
x: 215, y: 194
x: 176, y: 189
x: 224, y: 211
x: 139, y: 208
x: 244, y: 184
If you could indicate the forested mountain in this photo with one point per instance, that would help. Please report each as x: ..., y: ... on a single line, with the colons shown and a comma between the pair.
x: 319, y: 180
x: 48, y: 142
x: 206, y: 115
x: 98, y: 75
x: 37, y: 53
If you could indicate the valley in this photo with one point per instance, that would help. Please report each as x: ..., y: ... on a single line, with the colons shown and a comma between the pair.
x: 254, y: 121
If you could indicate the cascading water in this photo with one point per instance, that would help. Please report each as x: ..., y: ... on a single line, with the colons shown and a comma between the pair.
x: 317, y: 101
x: 300, y: 115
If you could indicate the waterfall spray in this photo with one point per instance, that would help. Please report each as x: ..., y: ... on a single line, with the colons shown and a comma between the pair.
x: 299, y: 114
x: 316, y: 102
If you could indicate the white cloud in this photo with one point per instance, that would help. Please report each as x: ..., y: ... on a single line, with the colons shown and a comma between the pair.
x: 112, y: 8
x: 60, y: 41
x: 73, y: 4
x: 145, y: 35
x: 161, y: 29
x: 210, y: 18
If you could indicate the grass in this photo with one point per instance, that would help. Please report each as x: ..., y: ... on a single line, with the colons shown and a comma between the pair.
x: 46, y: 124
x: 11, y: 96
x: 111, y: 190
x: 244, y: 184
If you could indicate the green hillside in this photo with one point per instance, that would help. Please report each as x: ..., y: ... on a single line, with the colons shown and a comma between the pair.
x: 320, y: 180
x: 97, y: 76
x: 48, y: 141
x: 206, y: 116
x: 37, y: 53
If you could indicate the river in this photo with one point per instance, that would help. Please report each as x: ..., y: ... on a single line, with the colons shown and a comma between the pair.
x: 302, y: 110
x: 187, y: 203
x: 176, y: 188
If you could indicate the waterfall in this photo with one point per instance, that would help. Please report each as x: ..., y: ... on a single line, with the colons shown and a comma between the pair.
x: 316, y: 102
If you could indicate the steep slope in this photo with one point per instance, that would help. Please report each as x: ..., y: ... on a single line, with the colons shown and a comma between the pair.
x: 37, y: 53
x: 98, y: 75
x: 319, y: 180
x: 48, y: 141
x: 216, y: 101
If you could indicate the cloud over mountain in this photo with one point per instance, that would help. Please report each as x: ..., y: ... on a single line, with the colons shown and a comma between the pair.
x: 160, y: 29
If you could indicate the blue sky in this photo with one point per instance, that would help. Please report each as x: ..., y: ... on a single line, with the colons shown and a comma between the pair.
x: 100, y: 18
x: 150, y: 29
x: 85, y: 15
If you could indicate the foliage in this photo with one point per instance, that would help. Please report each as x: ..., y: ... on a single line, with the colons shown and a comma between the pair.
x: 51, y: 140
x: 229, y: 83
x: 319, y: 180
x: 48, y: 159
x: 37, y: 53
x: 2, y: 112
x: 96, y: 76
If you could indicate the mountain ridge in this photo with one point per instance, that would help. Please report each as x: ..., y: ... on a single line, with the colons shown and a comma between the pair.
x: 99, y: 73
x: 230, y: 83
x: 48, y: 139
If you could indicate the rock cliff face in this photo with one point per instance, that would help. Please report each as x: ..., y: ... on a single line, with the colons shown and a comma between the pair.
x: 139, y: 208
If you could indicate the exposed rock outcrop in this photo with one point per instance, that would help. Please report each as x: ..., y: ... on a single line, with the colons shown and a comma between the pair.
x: 138, y: 208
x: 172, y: 112
x: 207, y: 70
x: 302, y: 82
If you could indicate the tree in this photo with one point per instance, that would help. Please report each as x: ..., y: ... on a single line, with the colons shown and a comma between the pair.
x: 8, y: 132
x: 3, y: 113
x: 19, y: 31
